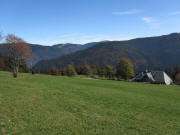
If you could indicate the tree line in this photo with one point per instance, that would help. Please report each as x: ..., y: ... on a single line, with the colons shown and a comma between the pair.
x: 123, y: 70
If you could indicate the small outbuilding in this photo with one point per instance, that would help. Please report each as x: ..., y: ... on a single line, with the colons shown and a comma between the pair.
x: 155, y: 77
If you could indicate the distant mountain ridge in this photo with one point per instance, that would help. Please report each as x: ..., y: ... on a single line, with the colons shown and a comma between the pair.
x: 151, y: 53
x: 49, y: 52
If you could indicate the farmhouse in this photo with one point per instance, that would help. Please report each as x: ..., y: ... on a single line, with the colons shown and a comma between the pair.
x: 156, y: 77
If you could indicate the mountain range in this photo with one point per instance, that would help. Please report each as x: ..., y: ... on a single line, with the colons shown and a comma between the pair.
x: 42, y: 52
x: 145, y: 53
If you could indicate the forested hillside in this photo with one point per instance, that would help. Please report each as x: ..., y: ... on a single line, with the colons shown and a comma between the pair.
x: 151, y: 53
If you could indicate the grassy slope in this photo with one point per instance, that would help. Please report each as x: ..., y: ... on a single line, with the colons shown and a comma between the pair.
x: 48, y: 105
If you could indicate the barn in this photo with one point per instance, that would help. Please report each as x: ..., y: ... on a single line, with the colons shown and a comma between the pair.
x: 155, y: 77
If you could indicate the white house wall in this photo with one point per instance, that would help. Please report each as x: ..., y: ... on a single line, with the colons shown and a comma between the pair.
x: 150, y: 76
x: 167, y: 79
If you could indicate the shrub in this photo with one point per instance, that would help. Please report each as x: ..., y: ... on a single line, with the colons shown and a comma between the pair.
x: 54, y: 71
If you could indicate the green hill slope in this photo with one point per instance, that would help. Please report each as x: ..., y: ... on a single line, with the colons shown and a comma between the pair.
x: 42, y: 104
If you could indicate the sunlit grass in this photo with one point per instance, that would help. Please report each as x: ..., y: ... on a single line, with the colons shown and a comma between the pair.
x: 55, y: 105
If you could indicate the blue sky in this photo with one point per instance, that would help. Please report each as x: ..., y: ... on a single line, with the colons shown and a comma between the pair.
x: 50, y: 22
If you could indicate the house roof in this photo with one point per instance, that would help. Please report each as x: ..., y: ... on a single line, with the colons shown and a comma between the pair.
x: 158, y: 76
x: 154, y: 76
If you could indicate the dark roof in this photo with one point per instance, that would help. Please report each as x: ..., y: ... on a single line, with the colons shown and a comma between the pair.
x: 153, y: 77
x: 158, y: 76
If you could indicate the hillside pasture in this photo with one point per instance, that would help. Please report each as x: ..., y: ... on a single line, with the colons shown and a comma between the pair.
x: 56, y: 105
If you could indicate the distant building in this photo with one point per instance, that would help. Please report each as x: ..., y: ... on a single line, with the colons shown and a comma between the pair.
x: 156, y: 77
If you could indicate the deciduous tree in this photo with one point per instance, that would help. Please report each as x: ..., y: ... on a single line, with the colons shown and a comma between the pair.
x: 125, y: 69
x: 178, y: 78
x: 87, y: 70
x: 109, y: 73
x: 71, y: 71
x: 101, y: 71
x: 63, y: 72
x: 18, y: 51
x: 2, y: 64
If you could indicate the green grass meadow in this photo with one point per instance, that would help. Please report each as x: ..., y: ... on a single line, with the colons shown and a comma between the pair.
x: 56, y: 105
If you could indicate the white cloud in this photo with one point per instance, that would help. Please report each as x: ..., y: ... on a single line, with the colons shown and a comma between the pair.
x: 151, y: 22
x: 128, y: 12
x: 80, y: 38
x: 147, y: 19
x: 175, y: 13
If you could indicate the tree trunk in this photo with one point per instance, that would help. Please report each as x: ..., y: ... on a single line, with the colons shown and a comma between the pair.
x: 15, y: 72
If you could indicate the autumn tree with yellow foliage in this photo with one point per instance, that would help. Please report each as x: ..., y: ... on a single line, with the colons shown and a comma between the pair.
x: 125, y: 69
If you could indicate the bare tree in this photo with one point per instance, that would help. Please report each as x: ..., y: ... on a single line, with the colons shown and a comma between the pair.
x: 18, y: 51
